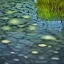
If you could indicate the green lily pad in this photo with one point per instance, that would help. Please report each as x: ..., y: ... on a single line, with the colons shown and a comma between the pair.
x: 32, y: 27
x: 10, y: 12
x: 26, y: 16
x: 14, y: 21
x: 6, y: 28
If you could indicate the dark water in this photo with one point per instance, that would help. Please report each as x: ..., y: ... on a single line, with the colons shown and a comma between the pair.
x: 26, y: 39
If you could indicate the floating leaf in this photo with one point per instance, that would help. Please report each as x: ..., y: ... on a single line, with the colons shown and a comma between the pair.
x: 6, y: 28
x: 35, y: 52
x: 15, y: 59
x: 48, y: 37
x: 56, y: 52
x: 5, y: 41
x: 55, y: 58
x: 35, y: 24
x: 10, y: 12
x: 42, y: 45
x: 32, y: 27
x: 12, y: 52
x: 21, y: 25
x: 26, y: 16
x: 49, y: 46
x: 25, y: 56
x: 14, y: 21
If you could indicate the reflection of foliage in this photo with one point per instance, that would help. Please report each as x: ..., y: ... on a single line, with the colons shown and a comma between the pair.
x: 50, y: 9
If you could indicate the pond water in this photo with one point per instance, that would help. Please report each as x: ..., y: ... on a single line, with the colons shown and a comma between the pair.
x: 26, y: 39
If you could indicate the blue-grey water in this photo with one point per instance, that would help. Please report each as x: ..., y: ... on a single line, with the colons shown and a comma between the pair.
x: 26, y: 39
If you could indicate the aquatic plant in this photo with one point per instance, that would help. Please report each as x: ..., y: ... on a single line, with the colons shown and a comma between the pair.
x: 50, y: 9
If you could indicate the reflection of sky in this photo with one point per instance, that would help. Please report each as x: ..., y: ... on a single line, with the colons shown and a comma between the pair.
x: 35, y: 0
x: 55, y: 25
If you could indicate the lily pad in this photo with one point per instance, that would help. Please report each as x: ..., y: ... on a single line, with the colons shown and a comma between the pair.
x: 10, y: 12
x: 32, y: 27
x: 5, y: 41
x: 6, y: 28
x: 14, y: 21
x: 42, y: 45
x: 26, y: 16
x: 35, y: 52
x: 48, y: 37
